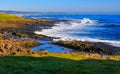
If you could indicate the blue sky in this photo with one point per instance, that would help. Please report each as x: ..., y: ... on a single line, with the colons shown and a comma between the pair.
x: 101, y: 6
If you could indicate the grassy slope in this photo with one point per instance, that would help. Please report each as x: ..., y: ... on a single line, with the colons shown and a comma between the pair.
x: 58, y: 63
x: 7, y: 21
x: 5, y: 17
x: 11, y: 21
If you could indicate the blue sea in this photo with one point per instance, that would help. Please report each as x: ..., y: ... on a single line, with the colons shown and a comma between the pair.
x: 84, y: 27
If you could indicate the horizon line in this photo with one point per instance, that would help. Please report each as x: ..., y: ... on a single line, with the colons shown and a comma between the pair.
x: 20, y: 11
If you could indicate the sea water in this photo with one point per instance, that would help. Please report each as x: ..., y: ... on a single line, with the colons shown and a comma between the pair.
x: 84, y: 27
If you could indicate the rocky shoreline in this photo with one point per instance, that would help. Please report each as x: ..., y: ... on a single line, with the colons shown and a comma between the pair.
x: 88, y: 47
x: 12, y: 30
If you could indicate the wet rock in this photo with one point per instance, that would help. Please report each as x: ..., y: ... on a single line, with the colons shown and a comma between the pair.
x: 86, y: 47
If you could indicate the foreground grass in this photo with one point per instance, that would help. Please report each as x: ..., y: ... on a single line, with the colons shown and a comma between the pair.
x: 58, y: 63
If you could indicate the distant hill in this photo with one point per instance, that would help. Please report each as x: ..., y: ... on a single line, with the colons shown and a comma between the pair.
x: 8, y: 11
x: 21, y: 12
x: 30, y: 12
x: 15, y: 12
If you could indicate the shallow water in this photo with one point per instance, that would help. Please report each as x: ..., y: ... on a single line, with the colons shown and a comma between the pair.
x: 50, y: 47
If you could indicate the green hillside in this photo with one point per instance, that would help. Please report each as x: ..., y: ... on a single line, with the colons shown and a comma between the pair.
x: 59, y: 63
x: 8, y: 17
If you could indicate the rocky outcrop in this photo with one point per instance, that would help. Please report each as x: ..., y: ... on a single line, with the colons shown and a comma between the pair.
x: 13, y: 28
x: 16, y: 47
x: 86, y: 47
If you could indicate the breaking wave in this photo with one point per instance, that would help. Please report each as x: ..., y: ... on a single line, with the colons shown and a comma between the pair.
x: 67, y: 30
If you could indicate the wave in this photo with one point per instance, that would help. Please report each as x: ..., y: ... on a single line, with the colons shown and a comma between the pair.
x: 63, y: 27
x: 66, y: 31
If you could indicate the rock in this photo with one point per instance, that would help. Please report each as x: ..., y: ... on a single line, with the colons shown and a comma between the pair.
x: 86, y: 47
x: 15, y: 47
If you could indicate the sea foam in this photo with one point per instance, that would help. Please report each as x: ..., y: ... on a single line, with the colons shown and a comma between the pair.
x: 66, y: 30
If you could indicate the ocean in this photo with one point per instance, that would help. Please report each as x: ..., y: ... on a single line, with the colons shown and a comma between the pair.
x: 84, y: 27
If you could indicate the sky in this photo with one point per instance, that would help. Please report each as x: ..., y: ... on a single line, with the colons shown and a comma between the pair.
x: 100, y: 6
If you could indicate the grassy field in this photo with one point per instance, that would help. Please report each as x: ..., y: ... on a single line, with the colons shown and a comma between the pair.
x: 8, y: 17
x: 59, y: 63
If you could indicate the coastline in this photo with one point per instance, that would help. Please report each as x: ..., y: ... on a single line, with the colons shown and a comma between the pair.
x: 17, y: 55
x: 28, y: 26
x: 113, y: 50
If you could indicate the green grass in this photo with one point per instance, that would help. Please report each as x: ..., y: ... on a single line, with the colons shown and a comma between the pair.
x: 49, y: 64
x: 8, y: 17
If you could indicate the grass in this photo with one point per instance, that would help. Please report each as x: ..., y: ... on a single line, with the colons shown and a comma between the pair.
x: 57, y: 63
x: 8, y: 17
